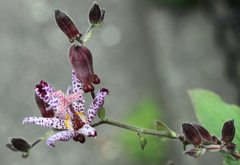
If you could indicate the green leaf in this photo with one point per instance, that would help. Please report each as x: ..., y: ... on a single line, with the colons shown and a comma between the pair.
x: 102, y: 114
x: 161, y: 127
x: 212, y: 112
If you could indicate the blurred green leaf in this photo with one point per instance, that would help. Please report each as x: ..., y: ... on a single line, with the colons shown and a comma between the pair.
x: 212, y: 112
x: 102, y: 114
x: 142, y: 115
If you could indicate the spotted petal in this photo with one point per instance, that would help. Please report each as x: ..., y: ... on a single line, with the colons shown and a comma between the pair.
x: 88, y: 131
x: 96, y: 104
x: 78, y: 106
x: 61, y: 136
x: 44, y: 91
x: 46, y: 122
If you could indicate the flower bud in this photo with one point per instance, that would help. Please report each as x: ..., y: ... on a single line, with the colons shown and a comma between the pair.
x: 43, y: 106
x: 194, y: 152
x: 206, y: 136
x: 228, y: 131
x: 67, y: 26
x: 216, y: 140
x: 231, y: 147
x: 96, y: 15
x: 19, y: 144
x: 80, y: 58
x: 191, y: 134
x: 142, y: 141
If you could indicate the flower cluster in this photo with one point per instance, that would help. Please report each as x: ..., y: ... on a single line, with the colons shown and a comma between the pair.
x: 69, y: 118
x: 203, y: 141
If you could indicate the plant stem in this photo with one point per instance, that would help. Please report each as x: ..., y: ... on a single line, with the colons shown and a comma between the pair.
x: 36, y: 142
x: 133, y: 128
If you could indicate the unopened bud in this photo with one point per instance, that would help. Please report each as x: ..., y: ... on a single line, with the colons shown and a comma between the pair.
x: 216, y: 140
x: 231, y: 147
x: 142, y: 141
x: 228, y: 131
x: 194, y: 152
x: 80, y: 58
x: 67, y: 26
x: 19, y: 144
x: 96, y: 15
x: 206, y: 136
x: 191, y: 134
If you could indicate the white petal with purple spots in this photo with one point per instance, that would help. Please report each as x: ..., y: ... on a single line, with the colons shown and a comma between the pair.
x: 46, y: 122
x: 61, y: 136
x: 96, y: 104
x: 88, y: 131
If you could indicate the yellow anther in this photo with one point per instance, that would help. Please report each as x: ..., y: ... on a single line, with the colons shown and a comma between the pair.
x: 67, y: 116
x: 80, y: 113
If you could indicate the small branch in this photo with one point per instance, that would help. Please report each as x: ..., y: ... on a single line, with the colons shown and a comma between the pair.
x: 36, y: 142
x: 133, y: 128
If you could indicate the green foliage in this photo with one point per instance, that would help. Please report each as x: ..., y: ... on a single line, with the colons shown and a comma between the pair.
x: 212, y: 112
x: 143, y: 116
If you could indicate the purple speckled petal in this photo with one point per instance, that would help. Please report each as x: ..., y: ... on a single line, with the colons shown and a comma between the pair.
x: 78, y: 106
x: 43, y: 90
x: 46, y: 122
x: 88, y: 131
x: 96, y: 104
x: 61, y: 136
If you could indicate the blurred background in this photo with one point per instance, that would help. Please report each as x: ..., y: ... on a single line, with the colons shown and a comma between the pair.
x: 148, y: 54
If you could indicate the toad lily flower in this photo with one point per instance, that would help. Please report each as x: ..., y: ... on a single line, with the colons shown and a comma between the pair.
x: 69, y: 116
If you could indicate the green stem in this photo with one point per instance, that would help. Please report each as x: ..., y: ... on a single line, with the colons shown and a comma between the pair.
x: 133, y: 128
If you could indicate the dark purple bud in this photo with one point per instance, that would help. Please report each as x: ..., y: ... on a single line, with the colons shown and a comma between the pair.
x: 228, y: 131
x: 191, y: 134
x: 10, y: 146
x: 96, y: 15
x: 194, y: 152
x: 80, y: 58
x: 42, y: 107
x: 231, y: 147
x: 67, y: 26
x: 79, y: 138
x: 206, y: 136
x: 216, y: 140
x: 19, y: 144
x: 181, y: 138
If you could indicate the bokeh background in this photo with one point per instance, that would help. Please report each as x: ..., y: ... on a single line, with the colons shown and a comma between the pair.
x: 148, y: 54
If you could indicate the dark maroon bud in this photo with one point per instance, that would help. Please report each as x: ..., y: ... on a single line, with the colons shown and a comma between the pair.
x: 228, y: 131
x: 194, y: 152
x: 216, y: 140
x: 96, y: 15
x: 181, y: 138
x: 20, y: 144
x: 80, y: 58
x: 10, y: 146
x: 191, y: 134
x: 79, y: 138
x: 231, y: 147
x: 42, y: 107
x: 67, y: 26
x: 206, y: 136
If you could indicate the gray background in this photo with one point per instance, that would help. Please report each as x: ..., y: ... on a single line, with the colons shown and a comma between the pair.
x: 143, y: 50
